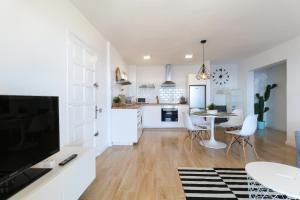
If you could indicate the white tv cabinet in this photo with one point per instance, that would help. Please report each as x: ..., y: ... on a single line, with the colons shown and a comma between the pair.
x: 63, y: 183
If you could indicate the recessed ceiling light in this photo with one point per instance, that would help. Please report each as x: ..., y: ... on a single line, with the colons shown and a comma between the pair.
x: 188, y: 56
x: 147, y: 57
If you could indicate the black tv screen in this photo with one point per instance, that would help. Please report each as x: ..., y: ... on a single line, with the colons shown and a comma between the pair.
x: 29, y: 131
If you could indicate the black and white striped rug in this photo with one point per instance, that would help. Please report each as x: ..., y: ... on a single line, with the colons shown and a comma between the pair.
x: 214, y: 183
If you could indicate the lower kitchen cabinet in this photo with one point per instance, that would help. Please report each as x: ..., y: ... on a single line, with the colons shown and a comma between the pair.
x: 152, y: 116
x: 126, y: 126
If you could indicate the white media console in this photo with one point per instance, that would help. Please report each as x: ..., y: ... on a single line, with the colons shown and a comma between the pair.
x: 62, y: 182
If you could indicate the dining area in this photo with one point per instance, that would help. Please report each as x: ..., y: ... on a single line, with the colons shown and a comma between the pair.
x: 201, y: 125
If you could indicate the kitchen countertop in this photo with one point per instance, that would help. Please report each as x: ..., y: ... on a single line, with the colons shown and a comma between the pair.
x: 137, y: 106
x: 127, y: 106
x: 164, y: 104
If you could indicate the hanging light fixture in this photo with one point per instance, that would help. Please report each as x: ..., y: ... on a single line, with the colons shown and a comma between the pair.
x: 203, y: 73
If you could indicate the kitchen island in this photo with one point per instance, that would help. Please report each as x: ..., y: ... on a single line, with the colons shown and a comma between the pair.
x: 126, y: 126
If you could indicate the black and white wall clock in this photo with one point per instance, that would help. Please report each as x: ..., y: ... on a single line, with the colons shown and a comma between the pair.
x: 220, y: 76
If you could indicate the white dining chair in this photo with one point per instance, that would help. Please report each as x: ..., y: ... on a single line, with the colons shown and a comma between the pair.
x: 193, y: 131
x: 199, y: 121
x: 243, y: 136
x: 234, y: 121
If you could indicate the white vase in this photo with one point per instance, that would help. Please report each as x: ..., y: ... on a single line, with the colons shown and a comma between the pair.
x: 212, y: 112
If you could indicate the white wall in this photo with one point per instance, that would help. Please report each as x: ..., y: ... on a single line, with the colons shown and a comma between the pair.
x: 33, y: 48
x: 277, y: 101
x: 156, y: 74
x: 220, y: 99
x: 288, y: 51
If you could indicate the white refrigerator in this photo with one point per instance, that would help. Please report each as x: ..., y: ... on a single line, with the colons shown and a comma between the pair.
x: 197, y: 97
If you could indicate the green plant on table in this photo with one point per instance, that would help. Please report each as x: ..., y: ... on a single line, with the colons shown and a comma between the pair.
x: 212, y: 106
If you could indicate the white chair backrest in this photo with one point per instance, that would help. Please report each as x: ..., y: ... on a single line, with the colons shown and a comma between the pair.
x: 238, y: 119
x: 188, y: 124
x: 196, y: 110
x: 197, y: 119
x: 249, y: 125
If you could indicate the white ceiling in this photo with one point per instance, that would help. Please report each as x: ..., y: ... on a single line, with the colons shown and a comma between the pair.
x: 168, y: 29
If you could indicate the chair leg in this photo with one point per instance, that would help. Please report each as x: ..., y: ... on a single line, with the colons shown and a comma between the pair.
x: 200, y: 136
x: 207, y: 134
x: 188, y: 135
x: 191, y: 141
x: 254, y: 150
x: 243, y: 144
x: 252, y: 145
x: 229, y: 147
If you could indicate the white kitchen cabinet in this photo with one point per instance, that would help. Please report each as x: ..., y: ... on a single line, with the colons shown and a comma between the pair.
x: 126, y: 126
x: 152, y: 116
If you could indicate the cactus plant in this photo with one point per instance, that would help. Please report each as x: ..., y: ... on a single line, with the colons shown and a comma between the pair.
x: 259, y: 107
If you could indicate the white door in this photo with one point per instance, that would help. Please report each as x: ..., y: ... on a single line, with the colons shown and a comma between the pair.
x: 82, y: 94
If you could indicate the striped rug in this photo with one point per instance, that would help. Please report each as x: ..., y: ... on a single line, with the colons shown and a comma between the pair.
x: 214, y: 183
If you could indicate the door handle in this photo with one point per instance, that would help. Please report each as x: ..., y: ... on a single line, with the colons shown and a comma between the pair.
x: 96, y: 85
x: 96, y: 134
x: 96, y: 111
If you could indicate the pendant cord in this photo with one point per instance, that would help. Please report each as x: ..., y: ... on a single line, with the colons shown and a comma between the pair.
x: 203, y: 53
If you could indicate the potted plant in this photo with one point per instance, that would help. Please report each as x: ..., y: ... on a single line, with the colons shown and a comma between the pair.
x: 117, y: 101
x: 259, y: 106
x: 212, y: 109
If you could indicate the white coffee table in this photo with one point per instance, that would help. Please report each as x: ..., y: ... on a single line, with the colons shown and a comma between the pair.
x: 283, y: 179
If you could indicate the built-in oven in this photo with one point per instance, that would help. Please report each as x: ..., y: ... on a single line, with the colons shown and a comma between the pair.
x: 169, y: 113
x: 141, y: 100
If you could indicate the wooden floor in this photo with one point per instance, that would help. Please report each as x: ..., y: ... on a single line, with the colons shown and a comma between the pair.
x: 148, y: 169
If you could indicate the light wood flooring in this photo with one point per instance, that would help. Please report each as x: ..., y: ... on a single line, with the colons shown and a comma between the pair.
x: 148, y: 170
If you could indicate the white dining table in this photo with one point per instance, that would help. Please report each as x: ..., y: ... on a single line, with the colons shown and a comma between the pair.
x: 212, y: 142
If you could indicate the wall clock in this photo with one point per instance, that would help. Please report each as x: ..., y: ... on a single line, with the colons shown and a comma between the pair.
x: 220, y: 76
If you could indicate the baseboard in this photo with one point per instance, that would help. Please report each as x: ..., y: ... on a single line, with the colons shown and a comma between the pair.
x: 290, y: 143
x: 118, y: 143
x: 102, y: 149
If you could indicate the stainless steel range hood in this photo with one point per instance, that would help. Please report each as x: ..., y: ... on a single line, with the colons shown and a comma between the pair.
x: 168, y: 82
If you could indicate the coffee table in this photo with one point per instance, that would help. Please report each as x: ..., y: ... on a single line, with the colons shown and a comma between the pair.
x: 268, y: 180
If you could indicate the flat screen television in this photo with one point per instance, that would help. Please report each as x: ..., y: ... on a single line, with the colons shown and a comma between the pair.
x: 29, y: 132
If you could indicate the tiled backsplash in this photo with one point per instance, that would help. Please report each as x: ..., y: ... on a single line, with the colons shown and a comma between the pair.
x: 171, y: 95
x: 148, y: 93
x: 165, y: 94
